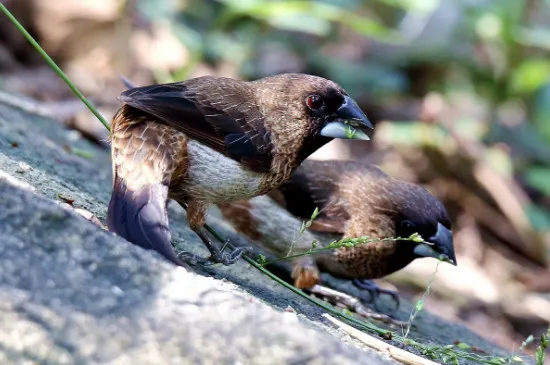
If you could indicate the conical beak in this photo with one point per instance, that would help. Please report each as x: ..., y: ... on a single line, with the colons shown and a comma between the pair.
x: 441, y: 246
x: 349, y: 122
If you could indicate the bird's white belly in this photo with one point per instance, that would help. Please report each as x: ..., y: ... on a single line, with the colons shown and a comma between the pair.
x: 215, y: 178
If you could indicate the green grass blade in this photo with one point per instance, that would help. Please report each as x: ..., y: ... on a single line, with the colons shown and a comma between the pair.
x: 53, y: 65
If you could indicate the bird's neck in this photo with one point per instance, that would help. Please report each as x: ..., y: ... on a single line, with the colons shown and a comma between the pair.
x: 310, y: 145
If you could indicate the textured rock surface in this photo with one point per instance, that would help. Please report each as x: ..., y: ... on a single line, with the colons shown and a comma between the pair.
x: 72, y: 293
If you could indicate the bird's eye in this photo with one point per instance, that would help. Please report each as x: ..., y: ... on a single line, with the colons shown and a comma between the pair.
x: 314, y: 102
x: 407, y: 227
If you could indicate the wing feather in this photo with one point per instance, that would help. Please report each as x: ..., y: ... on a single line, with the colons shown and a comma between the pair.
x: 218, y: 112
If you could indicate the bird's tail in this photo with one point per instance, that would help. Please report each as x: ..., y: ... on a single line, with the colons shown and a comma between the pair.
x: 140, y: 217
x: 142, y: 171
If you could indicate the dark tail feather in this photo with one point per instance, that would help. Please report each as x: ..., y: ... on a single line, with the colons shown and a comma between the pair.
x: 141, y: 217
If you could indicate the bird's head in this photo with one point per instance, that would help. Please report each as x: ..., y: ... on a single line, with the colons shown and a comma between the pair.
x: 394, y: 208
x: 416, y: 210
x: 319, y: 107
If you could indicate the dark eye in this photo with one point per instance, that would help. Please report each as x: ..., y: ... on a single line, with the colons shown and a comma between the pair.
x: 314, y: 102
x: 407, y: 227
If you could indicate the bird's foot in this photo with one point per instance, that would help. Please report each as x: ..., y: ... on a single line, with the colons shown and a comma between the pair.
x: 353, y: 304
x: 228, y: 258
x: 192, y: 259
x: 376, y: 292
x: 218, y: 257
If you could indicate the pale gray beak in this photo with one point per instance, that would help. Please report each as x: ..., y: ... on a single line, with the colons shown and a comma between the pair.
x: 441, y: 246
x: 349, y: 122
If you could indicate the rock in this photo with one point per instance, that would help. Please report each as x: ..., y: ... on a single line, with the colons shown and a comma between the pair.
x: 71, y: 292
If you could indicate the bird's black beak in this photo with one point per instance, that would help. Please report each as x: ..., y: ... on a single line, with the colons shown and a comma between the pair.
x: 349, y: 122
x: 440, y: 246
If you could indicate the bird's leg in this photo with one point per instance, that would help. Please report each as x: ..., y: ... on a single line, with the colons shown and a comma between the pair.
x: 351, y: 303
x: 375, y: 291
x: 196, y: 216
x: 217, y: 255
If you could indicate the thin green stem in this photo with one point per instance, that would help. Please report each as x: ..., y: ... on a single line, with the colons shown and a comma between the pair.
x: 53, y: 65
x: 420, y: 303
x: 348, y: 243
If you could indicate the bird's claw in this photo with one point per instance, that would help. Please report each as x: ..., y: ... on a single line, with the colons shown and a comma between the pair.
x: 216, y: 254
x: 193, y: 259
x: 376, y: 292
x: 229, y: 258
x: 216, y: 257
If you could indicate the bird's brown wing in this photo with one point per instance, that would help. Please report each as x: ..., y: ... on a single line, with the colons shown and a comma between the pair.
x: 302, y: 193
x: 218, y: 112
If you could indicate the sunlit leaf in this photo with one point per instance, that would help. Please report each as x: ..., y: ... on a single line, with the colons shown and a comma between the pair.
x: 309, y: 16
x: 463, y: 346
x: 424, y: 6
x: 470, y: 128
x: 499, y: 160
x: 530, y: 75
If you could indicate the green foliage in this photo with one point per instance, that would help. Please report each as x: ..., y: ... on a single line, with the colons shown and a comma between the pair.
x: 306, y: 225
x: 540, y: 355
x: 261, y: 260
x: 530, y: 76
x: 346, y: 243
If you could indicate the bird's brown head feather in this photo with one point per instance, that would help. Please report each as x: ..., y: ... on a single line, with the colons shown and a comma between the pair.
x: 304, y: 112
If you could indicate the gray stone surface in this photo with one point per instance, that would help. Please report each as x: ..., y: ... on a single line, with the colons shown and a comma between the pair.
x: 72, y: 293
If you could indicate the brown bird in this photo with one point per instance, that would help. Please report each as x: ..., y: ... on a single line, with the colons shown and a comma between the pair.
x: 354, y: 200
x: 211, y: 140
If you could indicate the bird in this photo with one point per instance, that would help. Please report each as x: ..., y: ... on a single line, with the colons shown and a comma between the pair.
x: 353, y: 199
x: 210, y: 140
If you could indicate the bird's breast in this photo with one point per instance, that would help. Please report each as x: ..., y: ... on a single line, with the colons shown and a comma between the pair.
x: 216, y: 178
